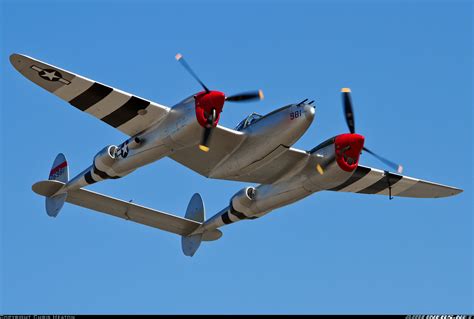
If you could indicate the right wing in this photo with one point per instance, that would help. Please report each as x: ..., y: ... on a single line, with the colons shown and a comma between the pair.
x: 126, y: 112
x: 367, y: 180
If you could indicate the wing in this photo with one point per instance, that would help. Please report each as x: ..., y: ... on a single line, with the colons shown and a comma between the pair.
x: 224, y: 143
x: 119, y: 208
x: 367, y: 180
x: 126, y: 112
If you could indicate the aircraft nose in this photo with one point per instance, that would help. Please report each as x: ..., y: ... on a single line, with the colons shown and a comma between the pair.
x: 309, y: 112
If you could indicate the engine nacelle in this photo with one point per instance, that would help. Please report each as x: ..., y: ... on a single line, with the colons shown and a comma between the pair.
x: 104, y: 160
x: 243, y: 199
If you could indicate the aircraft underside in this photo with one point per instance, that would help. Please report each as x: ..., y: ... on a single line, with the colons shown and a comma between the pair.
x: 258, y: 151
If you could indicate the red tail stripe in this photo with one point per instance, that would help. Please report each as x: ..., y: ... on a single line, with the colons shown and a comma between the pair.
x: 57, y: 168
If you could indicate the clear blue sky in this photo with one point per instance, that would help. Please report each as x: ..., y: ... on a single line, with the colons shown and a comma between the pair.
x: 410, y: 69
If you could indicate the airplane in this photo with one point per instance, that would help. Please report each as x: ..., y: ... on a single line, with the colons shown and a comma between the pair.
x: 258, y: 150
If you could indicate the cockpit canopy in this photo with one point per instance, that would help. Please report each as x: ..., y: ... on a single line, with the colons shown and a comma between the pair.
x: 248, y: 121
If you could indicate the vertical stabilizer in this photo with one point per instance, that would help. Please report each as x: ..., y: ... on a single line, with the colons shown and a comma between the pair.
x: 196, y: 212
x: 59, y: 172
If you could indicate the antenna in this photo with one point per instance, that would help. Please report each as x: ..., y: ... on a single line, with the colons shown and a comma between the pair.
x: 302, y: 102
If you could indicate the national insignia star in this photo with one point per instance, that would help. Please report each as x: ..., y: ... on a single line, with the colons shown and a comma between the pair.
x: 50, y: 75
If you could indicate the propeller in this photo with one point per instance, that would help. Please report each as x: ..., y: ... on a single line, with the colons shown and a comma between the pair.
x: 349, y: 116
x: 211, y: 118
x: 246, y: 96
x: 185, y: 64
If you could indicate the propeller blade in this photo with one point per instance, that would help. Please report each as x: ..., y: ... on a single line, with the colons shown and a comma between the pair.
x: 348, y: 111
x: 320, y: 169
x: 245, y: 97
x: 391, y: 164
x: 204, y: 146
x: 205, y: 139
x: 180, y: 58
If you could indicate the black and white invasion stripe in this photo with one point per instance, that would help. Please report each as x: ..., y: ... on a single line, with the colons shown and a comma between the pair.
x: 119, y: 115
x: 366, y: 180
x: 94, y: 175
x: 231, y: 216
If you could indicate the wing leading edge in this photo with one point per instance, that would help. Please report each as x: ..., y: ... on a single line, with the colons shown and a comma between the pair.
x: 126, y: 112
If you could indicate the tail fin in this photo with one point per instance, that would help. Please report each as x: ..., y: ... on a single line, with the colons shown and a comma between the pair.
x: 196, y: 212
x: 59, y: 172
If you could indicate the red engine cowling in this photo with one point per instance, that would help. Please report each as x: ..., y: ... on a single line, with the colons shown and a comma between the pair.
x: 205, y: 102
x: 348, y: 148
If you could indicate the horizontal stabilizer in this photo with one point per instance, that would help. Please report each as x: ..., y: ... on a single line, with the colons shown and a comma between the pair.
x: 123, y: 209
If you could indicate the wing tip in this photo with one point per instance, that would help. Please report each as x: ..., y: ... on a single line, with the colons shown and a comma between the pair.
x: 449, y: 190
x: 16, y: 60
x: 452, y: 192
x: 20, y: 61
x: 440, y: 191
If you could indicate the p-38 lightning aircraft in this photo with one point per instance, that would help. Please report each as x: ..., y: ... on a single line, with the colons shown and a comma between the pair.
x: 258, y: 151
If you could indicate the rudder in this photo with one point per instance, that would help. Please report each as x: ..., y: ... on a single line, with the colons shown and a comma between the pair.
x: 59, y: 172
x: 196, y: 212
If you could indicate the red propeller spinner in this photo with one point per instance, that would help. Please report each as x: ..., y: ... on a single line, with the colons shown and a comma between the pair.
x: 348, y: 147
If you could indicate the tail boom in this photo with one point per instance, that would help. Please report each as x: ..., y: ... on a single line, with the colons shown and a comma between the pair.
x: 127, y: 210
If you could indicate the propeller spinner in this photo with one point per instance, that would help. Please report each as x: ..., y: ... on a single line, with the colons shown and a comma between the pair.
x: 209, y: 104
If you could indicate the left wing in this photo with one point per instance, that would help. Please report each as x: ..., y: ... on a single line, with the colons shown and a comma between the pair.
x: 367, y: 180
x: 124, y: 111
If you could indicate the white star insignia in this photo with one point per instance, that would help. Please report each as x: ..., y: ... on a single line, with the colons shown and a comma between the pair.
x: 50, y: 75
